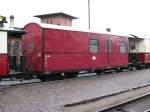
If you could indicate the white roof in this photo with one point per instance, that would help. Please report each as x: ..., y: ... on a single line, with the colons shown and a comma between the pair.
x: 75, y: 29
x: 10, y: 29
x: 140, y: 36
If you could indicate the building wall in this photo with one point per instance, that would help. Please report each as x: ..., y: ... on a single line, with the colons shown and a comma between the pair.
x: 59, y: 20
x: 3, y: 42
x: 65, y: 21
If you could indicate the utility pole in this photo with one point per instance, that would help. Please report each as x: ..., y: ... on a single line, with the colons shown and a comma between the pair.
x: 89, y: 15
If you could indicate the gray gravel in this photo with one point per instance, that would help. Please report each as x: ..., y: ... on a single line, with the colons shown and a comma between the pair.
x: 51, y: 96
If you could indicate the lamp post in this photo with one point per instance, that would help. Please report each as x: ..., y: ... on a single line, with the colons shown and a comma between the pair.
x: 89, y: 16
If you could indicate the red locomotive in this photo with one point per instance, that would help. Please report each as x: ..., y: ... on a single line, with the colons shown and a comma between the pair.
x: 49, y: 51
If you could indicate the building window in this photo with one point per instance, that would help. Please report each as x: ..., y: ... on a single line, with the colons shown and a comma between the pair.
x: 122, y: 47
x: 93, y: 46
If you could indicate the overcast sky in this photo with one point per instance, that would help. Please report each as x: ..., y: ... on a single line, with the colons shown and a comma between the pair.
x: 127, y: 16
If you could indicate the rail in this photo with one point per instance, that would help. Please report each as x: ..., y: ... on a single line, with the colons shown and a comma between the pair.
x: 100, y: 104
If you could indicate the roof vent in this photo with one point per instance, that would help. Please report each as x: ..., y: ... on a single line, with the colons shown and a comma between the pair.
x: 108, y: 29
x: 12, y: 21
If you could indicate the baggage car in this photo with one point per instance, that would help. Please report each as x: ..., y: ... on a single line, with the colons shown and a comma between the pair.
x: 53, y: 50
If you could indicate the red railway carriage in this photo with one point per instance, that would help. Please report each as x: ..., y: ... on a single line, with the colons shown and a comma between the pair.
x: 3, y: 54
x: 10, y: 51
x: 144, y: 58
x: 50, y: 49
x: 139, y: 51
x: 144, y: 50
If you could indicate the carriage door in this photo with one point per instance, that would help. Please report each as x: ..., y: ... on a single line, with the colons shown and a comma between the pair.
x: 14, y: 52
x: 110, y: 51
x: 113, y: 53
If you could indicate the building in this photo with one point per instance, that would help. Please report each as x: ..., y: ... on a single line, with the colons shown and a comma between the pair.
x: 57, y: 19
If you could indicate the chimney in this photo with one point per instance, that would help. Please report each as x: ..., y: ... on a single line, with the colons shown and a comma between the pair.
x: 12, y: 21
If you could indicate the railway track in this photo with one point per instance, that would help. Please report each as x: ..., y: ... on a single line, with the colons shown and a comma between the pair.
x: 74, y: 90
x: 138, y: 105
x: 7, y: 84
x: 110, y: 102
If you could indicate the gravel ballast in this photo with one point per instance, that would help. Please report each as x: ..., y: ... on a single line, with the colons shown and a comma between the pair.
x: 51, y: 96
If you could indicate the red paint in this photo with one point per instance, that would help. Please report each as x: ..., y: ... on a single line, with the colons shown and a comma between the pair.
x: 3, y: 65
x: 32, y: 47
x: 144, y: 57
x: 66, y: 50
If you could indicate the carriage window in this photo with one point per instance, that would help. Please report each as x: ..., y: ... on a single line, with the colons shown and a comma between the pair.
x: 93, y: 46
x: 132, y: 45
x: 122, y: 47
x: 16, y: 48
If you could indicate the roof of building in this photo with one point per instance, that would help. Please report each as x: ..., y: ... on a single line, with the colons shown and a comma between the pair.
x: 56, y: 14
x: 12, y: 30
x: 138, y: 36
